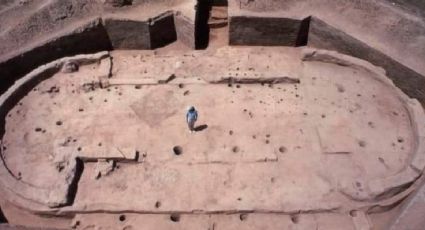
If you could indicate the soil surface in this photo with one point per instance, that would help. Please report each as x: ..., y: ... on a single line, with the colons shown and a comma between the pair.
x: 283, y: 140
x: 309, y: 145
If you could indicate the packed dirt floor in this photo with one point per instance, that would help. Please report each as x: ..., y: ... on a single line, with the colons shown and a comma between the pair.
x: 309, y: 144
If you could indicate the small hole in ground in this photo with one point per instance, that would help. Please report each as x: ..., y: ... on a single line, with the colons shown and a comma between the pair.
x: 295, y: 219
x: 178, y: 150
x: 175, y: 217
x: 243, y: 216
x: 58, y: 123
x: 122, y: 218
x: 340, y: 88
x: 157, y: 204
x: 358, y: 184
x: 235, y: 149
x: 282, y: 149
x: 353, y: 213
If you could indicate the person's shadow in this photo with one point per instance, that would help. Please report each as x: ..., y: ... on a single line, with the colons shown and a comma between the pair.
x: 200, y: 127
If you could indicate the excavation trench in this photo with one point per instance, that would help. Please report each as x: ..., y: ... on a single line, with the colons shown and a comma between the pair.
x: 309, y: 26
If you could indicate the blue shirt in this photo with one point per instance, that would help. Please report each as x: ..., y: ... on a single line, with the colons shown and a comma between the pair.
x: 191, y: 116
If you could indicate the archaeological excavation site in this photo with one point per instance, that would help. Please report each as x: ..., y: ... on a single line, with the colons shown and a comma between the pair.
x: 310, y: 114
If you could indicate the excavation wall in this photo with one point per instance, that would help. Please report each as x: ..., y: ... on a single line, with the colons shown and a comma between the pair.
x: 322, y: 35
x: 264, y: 31
x: 89, y: 38
x: 131, y: 34
x: 128, y: 34
x: 162, y: 30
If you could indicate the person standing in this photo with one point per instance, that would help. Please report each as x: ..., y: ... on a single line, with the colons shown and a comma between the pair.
x: 191, y: 117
